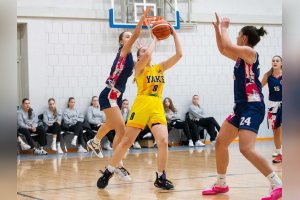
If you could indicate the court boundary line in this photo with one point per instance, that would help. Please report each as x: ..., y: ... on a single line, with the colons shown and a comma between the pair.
x: 28, y: 196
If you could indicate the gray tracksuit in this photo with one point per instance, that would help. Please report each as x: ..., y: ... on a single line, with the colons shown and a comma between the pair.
x: 196, y: 112
x: 172, y: 115
x: 95, y: 116
x: 24, y: 121
x: 49, y: 118
x: 71, y: 117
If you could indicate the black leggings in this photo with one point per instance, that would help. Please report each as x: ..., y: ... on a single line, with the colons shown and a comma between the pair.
x: 54, y: 129
x: 78, y: 130
x: 178, y: 124
x: 90, y: 134
x: 143, y: 133
x: 94, y: 127
x: 110, y: 135
x: 41, y: 136
x: 197, y: 132
x: 210, y: 124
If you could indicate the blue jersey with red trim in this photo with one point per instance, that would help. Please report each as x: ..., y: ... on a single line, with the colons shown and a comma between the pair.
x: 121, y: 70
x: 275, y: 88
x: 247, y: 87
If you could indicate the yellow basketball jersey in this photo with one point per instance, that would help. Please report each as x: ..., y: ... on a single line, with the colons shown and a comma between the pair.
x: 151, y: 81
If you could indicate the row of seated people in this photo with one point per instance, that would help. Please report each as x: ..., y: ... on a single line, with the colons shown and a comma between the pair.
x: 52, y: 121
x: 196, y: 120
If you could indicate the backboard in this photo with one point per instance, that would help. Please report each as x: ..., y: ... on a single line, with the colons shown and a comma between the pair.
x: 126, y: 13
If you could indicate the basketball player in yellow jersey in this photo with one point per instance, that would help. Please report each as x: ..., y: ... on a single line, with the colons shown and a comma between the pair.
x: 147, y: 109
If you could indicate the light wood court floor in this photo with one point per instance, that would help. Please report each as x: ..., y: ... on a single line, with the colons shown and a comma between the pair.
x: 73, y: 176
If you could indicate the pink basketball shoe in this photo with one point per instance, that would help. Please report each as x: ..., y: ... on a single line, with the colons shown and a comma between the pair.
x: 215, y: 190
x: 275, y: 194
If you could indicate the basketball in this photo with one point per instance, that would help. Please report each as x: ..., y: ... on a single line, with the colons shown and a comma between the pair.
x: 161, y: 29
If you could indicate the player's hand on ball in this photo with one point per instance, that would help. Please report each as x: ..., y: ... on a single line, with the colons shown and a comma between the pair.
x: 153, y: 36
x: 172, y: 30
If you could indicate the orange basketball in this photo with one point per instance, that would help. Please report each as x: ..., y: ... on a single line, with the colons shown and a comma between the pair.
x: 161, y: 29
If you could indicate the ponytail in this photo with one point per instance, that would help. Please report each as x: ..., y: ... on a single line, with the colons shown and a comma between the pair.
x: 261, y: 31
x: 270, y: 72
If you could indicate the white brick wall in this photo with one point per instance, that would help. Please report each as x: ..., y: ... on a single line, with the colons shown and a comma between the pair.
x: 73, y: 58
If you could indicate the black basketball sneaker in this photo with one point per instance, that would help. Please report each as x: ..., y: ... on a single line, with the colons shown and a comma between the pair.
x: 103, y: 180
x: 162, y: 182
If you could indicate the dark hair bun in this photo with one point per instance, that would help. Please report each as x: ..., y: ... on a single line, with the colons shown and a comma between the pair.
x: 262, y: 31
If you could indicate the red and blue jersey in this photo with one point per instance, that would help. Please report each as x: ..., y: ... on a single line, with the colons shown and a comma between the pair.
x: 247, y: 87
x: 275, y: 88
x: 121, y: 70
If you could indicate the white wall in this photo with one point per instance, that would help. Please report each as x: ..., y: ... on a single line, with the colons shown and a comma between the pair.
x: 239, y: 11
x: 72, y: 57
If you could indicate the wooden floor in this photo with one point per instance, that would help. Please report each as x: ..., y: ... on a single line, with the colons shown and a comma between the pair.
x: 74, y: 176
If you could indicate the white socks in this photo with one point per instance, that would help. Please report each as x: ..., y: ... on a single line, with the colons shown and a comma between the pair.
x: 279, y: 151
x: 54, y: 140
x: 96, y: 140
x: 20, y: 140
x: 120, y: 164
x: 221, y: 181
x: 110, y: 168
x: 274, y: 179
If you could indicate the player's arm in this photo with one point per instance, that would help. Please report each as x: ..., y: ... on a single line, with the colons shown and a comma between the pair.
x: 127, y: 47
x: 264, y: 80
x: 219, y: 40
x: 246, y: 53
x: 167, y: 64
x: 144, y: 59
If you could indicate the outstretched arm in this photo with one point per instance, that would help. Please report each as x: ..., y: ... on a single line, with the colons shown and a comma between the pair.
x: 127, y: 47
x: 245, y: 52
x: 167, y: 64
x: 140, y: 65
x: 219, y: 40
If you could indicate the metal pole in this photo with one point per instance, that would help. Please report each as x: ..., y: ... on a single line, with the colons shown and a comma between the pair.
x: 189, y: 10
x: 123, y: 10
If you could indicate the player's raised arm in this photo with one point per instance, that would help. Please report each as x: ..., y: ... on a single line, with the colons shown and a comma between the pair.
x: 219, y: 40
x: 244, y: 47
x: 127, y: 47
x: 167, y: 64
x: 144, y: 55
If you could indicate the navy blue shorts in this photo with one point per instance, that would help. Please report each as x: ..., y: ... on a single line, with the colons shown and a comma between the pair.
x: 247, y: 116
x: 109, y: 98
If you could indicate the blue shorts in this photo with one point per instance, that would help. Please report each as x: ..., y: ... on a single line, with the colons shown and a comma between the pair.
x: 109, y: 98
x: 247, y: 116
